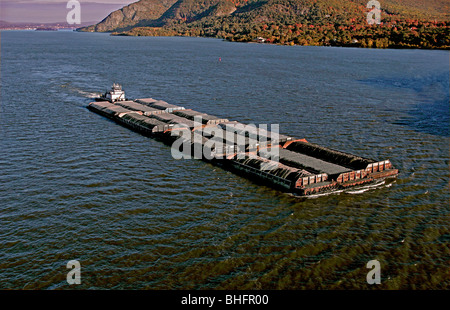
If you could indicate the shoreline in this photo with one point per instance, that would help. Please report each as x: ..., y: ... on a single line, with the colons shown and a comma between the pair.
x: 124, y: 34
x: 351, y: 45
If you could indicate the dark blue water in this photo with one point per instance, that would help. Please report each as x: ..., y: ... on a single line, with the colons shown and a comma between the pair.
x: 76, y: 186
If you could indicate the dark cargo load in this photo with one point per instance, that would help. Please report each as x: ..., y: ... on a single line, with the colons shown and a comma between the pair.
x: 205, y: 118
x: 255, y: 132
x: 174, y: 119
x: 135, y: 106
x: 309, y: 163
x: 146, y: 122
x: 108, y: 108
x: 344, y: 159
x: 146, y: 101
x: 273, y: 167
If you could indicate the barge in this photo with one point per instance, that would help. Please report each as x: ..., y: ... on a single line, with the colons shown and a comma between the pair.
x: 294, y: 165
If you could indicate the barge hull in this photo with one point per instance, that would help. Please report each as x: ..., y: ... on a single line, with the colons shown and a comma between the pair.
x: 302, y: 168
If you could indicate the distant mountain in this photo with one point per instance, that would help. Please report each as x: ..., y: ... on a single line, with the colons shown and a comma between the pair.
x: 158, y: 13
x: 136, y: 14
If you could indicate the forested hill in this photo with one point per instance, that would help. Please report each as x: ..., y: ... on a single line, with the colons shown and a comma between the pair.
x: 404, y: 23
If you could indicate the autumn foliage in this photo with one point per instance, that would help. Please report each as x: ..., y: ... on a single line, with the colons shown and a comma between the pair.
x: 315, y: 22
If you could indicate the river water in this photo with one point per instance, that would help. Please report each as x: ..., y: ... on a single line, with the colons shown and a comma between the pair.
x: 76, y: 186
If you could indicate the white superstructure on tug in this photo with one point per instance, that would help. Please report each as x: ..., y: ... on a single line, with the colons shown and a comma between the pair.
x: 115, y: 94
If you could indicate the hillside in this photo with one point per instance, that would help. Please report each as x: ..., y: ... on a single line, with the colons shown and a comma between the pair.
x: 161, y: 12
x: 136, y: 14
x: 405, y: 23
x: 191, y: 10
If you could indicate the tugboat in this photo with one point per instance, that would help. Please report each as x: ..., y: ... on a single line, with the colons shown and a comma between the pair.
x: 115, y: 94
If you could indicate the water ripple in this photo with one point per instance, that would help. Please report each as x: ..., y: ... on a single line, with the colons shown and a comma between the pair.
x: 75, y: 185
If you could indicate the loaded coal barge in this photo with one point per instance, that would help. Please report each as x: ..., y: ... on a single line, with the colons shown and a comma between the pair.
x: 298, y: 167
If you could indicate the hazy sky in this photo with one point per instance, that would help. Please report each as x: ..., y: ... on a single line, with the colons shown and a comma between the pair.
x: 50, y: 11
